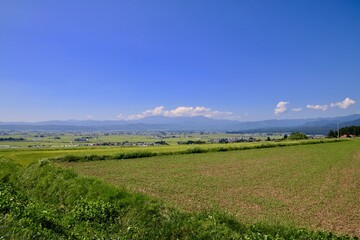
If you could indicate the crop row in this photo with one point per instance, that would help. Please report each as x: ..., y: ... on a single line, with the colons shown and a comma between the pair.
x: 191, y: 150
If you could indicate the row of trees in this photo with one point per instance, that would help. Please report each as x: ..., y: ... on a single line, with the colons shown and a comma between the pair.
x: 190, y: 142
x: 348, y: 131
x: 11, y: 139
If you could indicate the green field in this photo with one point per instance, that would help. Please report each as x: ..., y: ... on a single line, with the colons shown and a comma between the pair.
x: 53, y: 140
x: 42, y: 201
x: 25, y: 155
x: 313, y: 186
x: 36, y: 146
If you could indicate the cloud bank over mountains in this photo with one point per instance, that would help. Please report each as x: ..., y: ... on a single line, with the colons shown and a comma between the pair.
x: 179, y: 112
x: 347, y: 102
x: 281, y: 107
x: 188, y: 111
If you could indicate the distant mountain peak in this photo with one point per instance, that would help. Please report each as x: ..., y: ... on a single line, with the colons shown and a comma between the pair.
x: 199, y: 123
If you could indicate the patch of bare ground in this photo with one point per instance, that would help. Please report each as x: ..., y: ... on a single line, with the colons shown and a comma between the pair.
x: 334, y: 206
x: 330, y: 205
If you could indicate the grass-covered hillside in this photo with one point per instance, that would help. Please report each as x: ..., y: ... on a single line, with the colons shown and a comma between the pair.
x: 43, y: 201
x: 314, y: 186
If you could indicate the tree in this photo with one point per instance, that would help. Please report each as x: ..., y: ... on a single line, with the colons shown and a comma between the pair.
x: 331, y: 134
x: 297, y: 136
x: 351, y: 130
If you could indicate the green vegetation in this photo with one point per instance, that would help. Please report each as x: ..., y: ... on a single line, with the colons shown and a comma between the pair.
x: 65, y: 140
x: 42, y: 201
x: 332, y: 134
x: 189, y: 142
x: 312, y: 186
x: 11, y: 139
x: 142, y: 154
x: 26, y: 156
x: 353, y: 131
x: 208, y: 148
x: 297, y: 136
x: 272, y: 188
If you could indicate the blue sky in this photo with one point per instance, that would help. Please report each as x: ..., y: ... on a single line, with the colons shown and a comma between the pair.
x: 246, y: 60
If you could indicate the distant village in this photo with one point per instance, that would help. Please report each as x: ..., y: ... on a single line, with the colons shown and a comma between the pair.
x: 44, y: 139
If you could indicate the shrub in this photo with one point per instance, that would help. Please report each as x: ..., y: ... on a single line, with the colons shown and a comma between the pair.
x: 94, y: 157
x: 139, y: 154
x: 195, y: 150
x: 70, y: 158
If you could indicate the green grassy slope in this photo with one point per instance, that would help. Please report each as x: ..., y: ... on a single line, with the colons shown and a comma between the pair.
x: 42, y: 201
x: 316, y: 186
x: 26, y: 156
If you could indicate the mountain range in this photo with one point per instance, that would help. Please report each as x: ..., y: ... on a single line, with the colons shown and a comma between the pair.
x: 199, y: 123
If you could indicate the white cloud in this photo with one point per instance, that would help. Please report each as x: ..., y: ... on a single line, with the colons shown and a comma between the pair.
x: 344, y: 104
x: 187, y: 111
x: 297, y: 109
x: 280, y: 108
x: 179, y: 112
x: 318, y: 107
x: 196, y: 111
x: 154, y: 112
x: 89, y: 117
